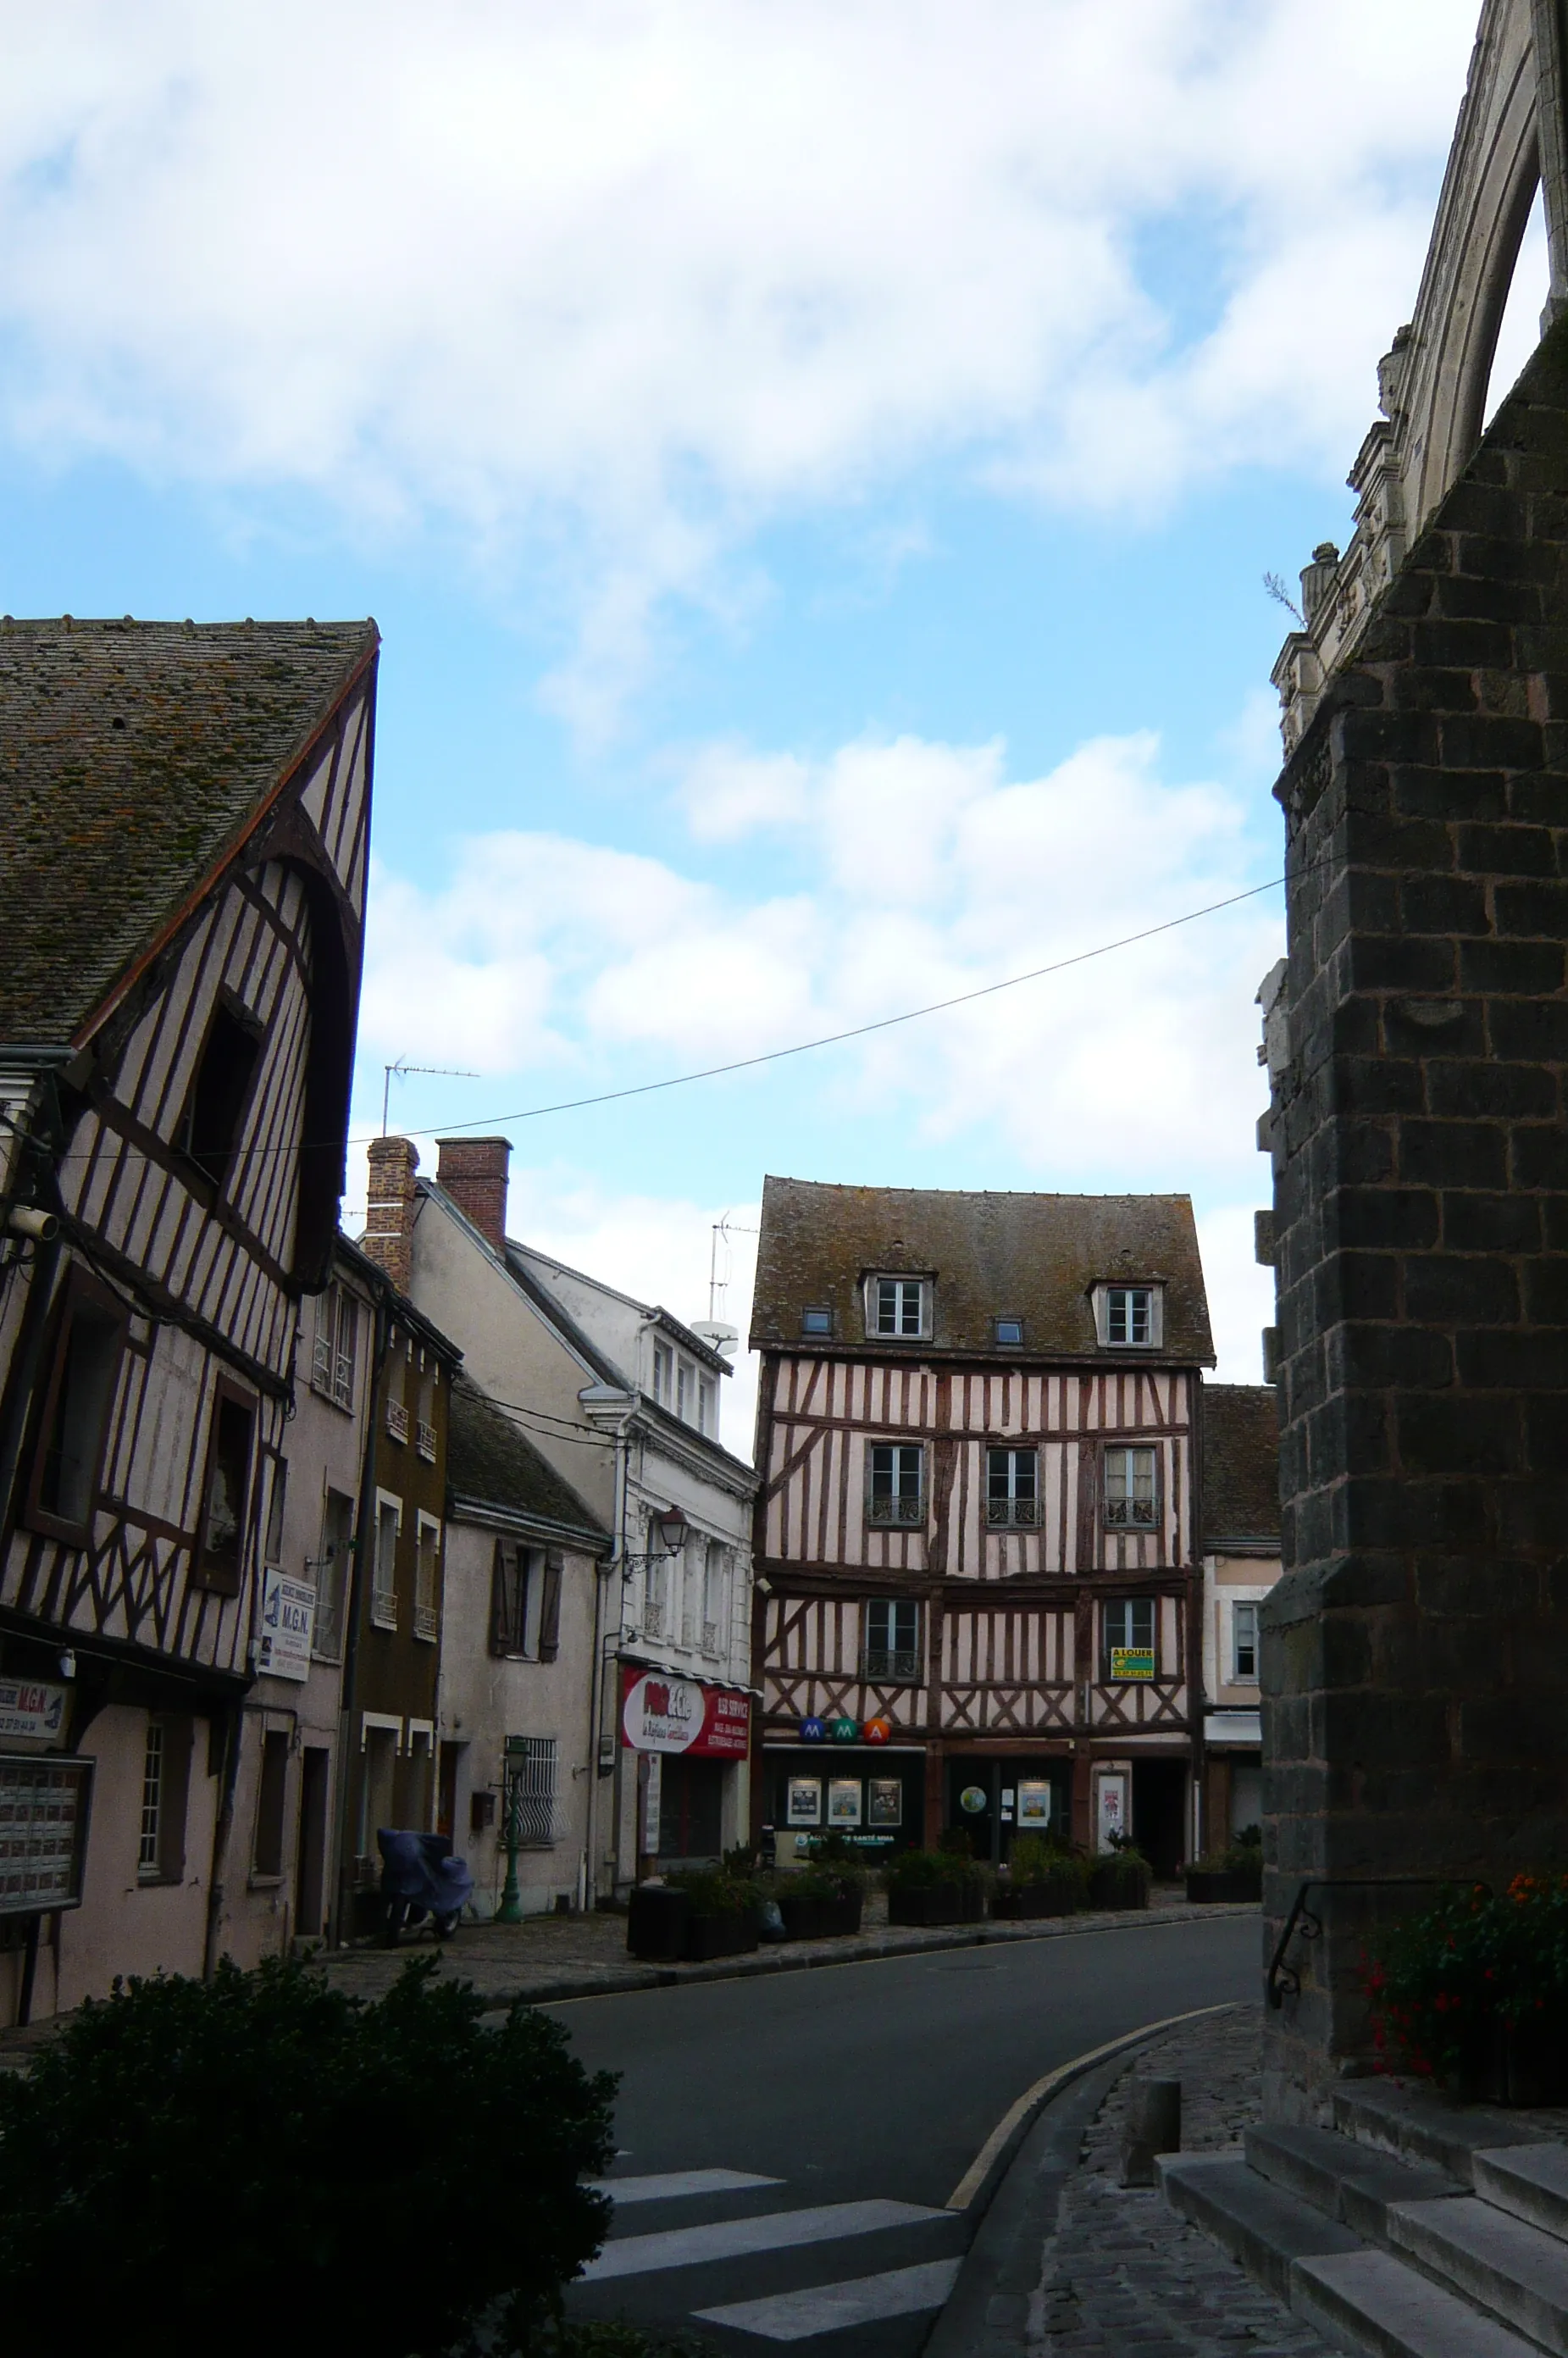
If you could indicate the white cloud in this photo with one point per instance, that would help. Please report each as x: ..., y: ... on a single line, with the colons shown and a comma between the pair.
x: 632, y: 277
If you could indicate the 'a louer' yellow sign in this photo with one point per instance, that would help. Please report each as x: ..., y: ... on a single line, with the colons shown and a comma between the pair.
x: 1132, y: 1662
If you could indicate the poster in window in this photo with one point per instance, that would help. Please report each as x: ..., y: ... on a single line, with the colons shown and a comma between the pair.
x: 844, y: 1801
x: 804, y: 1801
x: 1033, y: 1803
x: 884, y: 1801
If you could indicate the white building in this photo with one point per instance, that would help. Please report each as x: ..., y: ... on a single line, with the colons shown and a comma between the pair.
x: 1240, y: 1565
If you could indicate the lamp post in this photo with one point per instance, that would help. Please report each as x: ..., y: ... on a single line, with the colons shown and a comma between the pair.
x: 510, y: 1908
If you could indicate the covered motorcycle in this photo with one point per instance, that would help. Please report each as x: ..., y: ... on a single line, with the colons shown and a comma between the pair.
x: 420, y: 1877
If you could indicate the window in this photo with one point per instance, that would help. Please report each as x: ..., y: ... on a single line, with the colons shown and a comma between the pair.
x: 77, y: 1402
x: 1131, y: 1501
x: 384, y: 1588
x: 208, y: 1131
x: 1128, y: 1316
x: 1128, y: 1626
x: 276, y: 1507
x: 331, y: 1569
x: 897, y: 1491
x: 424, y: 1419
x: 816, y: 1322
x: 1244, y: 1644
x: 707, y: 1405
x: 1010, y: 1333
x: 335, y: 1345
x: 690, y: 1577
x: 531, y: 1789
x: 716, y: 1600
x: 228, y: 1489
x: 272, y: 1790
x: 664, y: 1374
x: 899, y: 1306
x: 892, y: 1641
x: 165, y: 1783
x: 426, y: 1565
x: 397, y: 1373
x: 656, y: 1591
x: 1012, y: 1488
x: 686, y: 1377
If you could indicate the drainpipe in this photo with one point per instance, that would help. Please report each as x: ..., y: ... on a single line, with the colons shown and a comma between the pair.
x: 364, y: 1538
x: 610, y: 1410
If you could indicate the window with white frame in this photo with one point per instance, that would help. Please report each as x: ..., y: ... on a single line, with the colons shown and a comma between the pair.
x: 896, y: 1488
x: 335, y: 1345
x: 1129, y: 1317
x: 707, y: 1405
x: 1131, y: 1489
x: 686, y: 1392
x: 664, y: 1374
x: 1127, y: 1629
x: 531, y: 1789
x: 891, y: 1652
x: 1244, y: 1644
x: 427, y: 1568
x: 690, y: 1571
x: 149, y: 1859
x: 1012, y: 1488
x: 332, y: 1571
x: 383, y: 1583
x: 715, y: 1599
x: 1008, y: 1334
x: 655, y: 1592
x: 899, y: 1307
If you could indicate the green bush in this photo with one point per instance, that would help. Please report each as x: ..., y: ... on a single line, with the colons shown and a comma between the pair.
x: 184, y: 2153
x: 716, y: 1890
x: 1440, y: 1980
x: 1237, y: 1858
x: 925, y: 1870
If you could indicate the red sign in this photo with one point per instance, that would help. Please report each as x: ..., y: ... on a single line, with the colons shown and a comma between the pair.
x: 661, y: 1713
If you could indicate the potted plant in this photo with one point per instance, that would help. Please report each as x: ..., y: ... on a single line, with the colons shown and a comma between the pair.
x: 927, y: 1888
x: 723, y: 1909
x: 1043, y: 1880
x: 1472, y: 1993
x: 1234, y: 1872
x: 1121, y: 1877
x: 808, y: 1902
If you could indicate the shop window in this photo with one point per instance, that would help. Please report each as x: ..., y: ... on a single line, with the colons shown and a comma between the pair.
x: 272, y: 1792
x: 227, y: 1492
x: 209, y: 1127
x: 1012, y: 1489
x: 1131, y: 1493
x: 896, y: 1483
x: 692, y: 1803
x: 1128, y: 1633
x: 891, y: 1652
x: 77, y: 1402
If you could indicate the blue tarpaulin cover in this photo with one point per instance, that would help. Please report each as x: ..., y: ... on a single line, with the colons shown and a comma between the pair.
x: 421, y: 1869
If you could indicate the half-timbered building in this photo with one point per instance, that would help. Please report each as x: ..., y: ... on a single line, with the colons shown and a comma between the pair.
x: 184, y: 816
x: 976, y: 1525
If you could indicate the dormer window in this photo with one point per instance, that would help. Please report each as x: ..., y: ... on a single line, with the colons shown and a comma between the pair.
x: 899, y: 1307
x: 1127, y: 1317
x: 816, y: 1322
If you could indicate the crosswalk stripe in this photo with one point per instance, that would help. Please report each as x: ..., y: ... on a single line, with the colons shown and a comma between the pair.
x: 726, y: 2239
x: 829, y: 2309
x: 675, y: 2182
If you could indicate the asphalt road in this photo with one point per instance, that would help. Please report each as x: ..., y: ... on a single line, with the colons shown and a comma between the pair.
x: 853, y: 2085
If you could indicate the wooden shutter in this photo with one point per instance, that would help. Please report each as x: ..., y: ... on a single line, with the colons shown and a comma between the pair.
x: 505, y: 1635
x: 550, y: 1606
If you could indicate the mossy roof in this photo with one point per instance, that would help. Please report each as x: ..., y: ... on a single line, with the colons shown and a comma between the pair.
x: 992, y: 1256
x: 132, y: 757
x: 490, y: 1462
x: 1241, y: 1463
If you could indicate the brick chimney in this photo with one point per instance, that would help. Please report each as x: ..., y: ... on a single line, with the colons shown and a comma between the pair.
x: 473, y: 1172
x: 389, y: 1219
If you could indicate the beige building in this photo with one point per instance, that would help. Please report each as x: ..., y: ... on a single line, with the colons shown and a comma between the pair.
x: 1240, y: 1565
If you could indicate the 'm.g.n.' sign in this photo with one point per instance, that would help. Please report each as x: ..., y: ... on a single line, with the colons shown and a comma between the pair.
x: 663, y: 1714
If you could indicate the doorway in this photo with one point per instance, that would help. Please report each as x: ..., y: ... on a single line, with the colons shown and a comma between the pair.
x: 1160, y: 1815
x: 311, y: 1855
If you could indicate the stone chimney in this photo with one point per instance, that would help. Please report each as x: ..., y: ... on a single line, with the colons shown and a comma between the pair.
x: 473, y: 1172
x: 389, y: 1220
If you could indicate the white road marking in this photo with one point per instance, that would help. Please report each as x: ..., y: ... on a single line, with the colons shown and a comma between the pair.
x: 829, y: 2309
x: 675, y: 2182
x: 728, y: 2239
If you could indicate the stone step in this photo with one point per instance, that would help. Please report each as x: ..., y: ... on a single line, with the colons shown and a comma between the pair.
x: 1263, y: 2227
x: 1424, y: 2129
x: 1530, y: 2180
x: 1501, y: 2262
x: 1350, y: 2182
x: 1370, y: 2302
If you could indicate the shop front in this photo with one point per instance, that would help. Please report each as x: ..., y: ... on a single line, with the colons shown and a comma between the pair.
x: 993, y: 1796
x: 870, y: 1793
x: 690, y: 1740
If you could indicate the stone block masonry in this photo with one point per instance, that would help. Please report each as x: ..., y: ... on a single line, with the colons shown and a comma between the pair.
x: 1416, y: 1660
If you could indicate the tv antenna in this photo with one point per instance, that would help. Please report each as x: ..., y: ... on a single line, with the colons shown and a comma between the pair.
x: 399, y: 1071
x: 723, y: 1228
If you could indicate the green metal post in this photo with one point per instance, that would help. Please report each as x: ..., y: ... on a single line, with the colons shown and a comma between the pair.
x: 510, y: 1908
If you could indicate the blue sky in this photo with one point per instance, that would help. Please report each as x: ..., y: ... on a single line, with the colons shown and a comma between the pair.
x: 813, y: 471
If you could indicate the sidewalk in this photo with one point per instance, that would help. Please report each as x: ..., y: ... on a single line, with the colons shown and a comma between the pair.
x: 548, y: 1958
x: 1120, y: 2274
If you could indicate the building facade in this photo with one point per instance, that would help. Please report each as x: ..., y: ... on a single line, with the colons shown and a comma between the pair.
x: 975, y: 1534
x: 177, y: 1019
x: 1240, y: 1525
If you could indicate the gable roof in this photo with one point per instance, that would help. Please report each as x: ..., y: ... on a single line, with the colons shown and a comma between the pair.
x: 1029, y: 1257
x: 133, y: 758
x: 1241, y: 1463
x: 490, y: 1463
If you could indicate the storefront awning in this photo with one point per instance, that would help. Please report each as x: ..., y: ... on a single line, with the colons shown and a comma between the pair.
x: 1233, y: 1727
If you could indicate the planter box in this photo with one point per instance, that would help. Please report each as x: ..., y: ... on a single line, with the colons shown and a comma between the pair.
x: 720, y: 1936
x: 846, y: 1910
x: 1509, y: 2063
x: 1112, y: 1884
x: 1205, y: 1888
x: 808, y: 1917
x: 1031, y: 1900
x: 940, y: 1903
x: 656, y: 1924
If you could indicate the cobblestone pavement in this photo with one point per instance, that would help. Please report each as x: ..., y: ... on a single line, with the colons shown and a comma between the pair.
x: 550, y: 1957
x: 1123, y: 2275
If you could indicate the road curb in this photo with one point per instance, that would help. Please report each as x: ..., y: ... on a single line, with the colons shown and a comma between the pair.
x: 617, y: 1981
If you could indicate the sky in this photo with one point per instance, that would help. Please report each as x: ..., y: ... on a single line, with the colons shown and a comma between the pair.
x: 815, y: 472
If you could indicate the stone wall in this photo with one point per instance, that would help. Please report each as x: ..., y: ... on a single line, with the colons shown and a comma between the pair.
x: 1415, y: 1713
